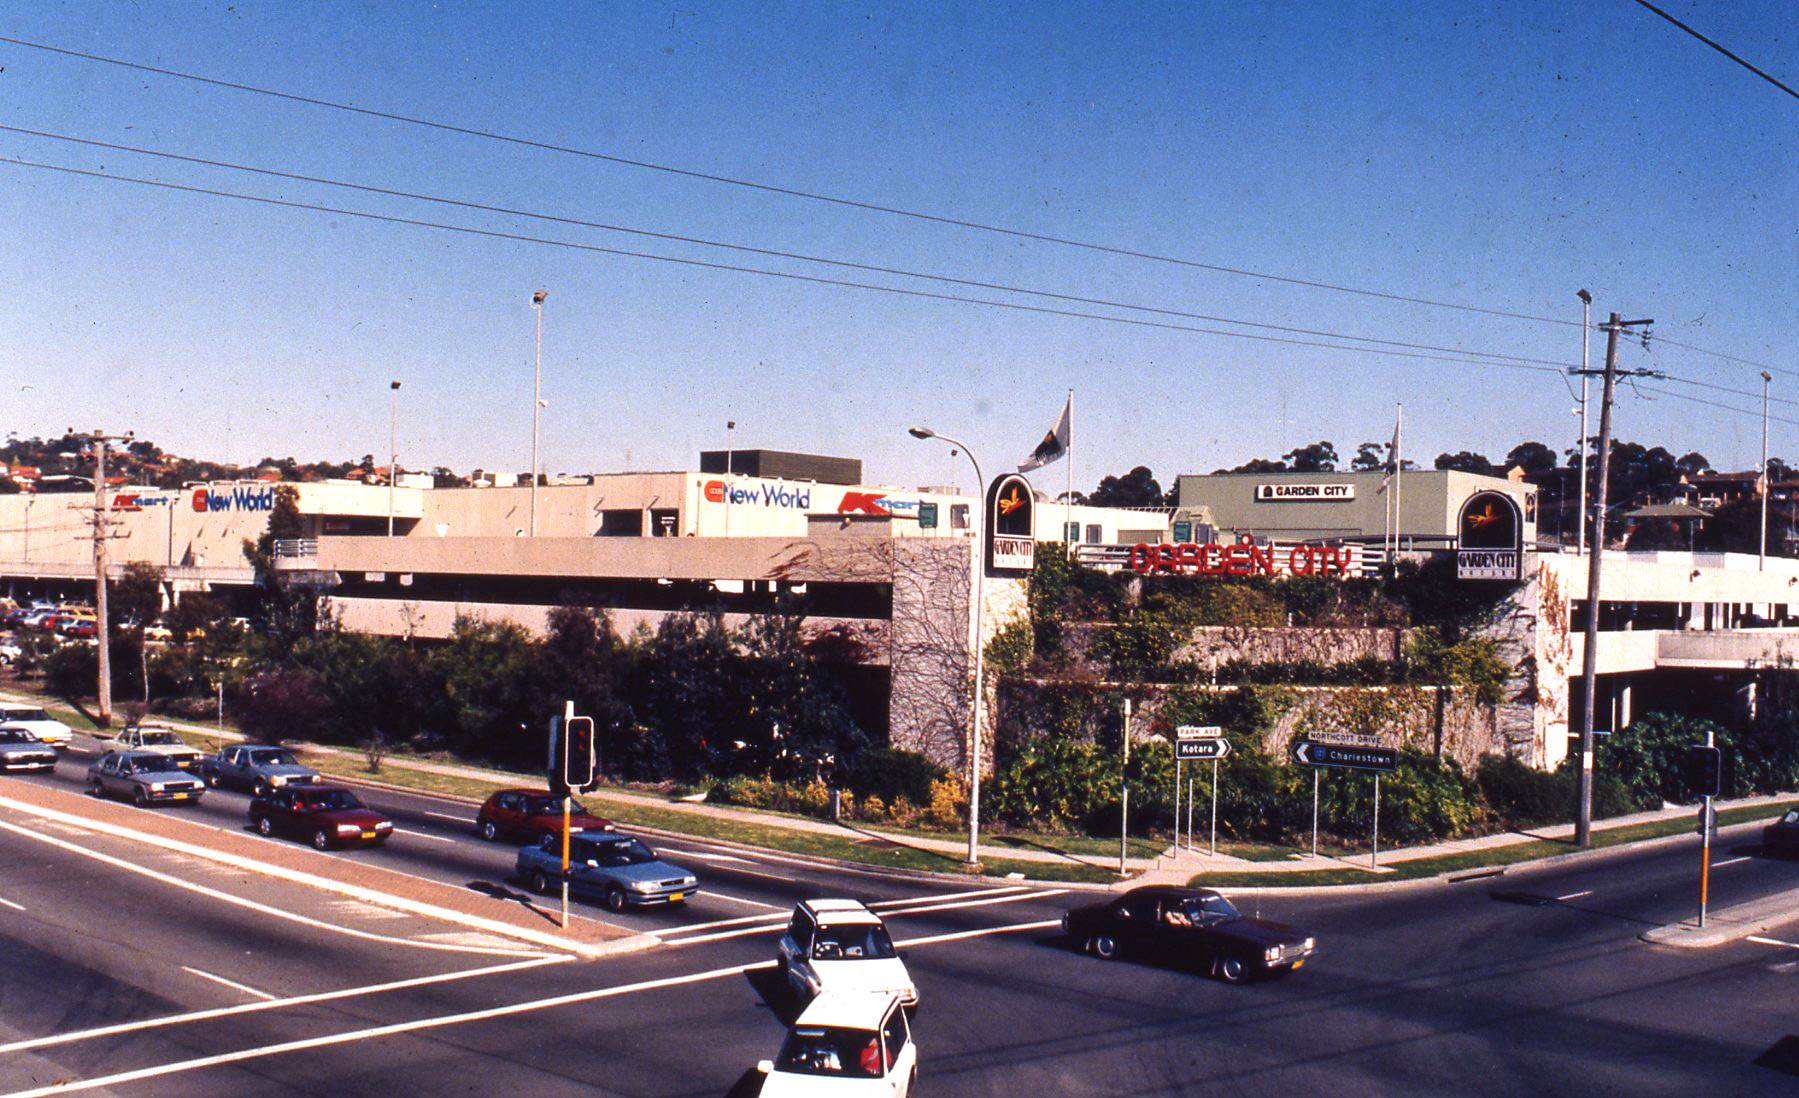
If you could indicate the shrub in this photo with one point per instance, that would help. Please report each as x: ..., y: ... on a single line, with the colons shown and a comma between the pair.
x: 892, y: 775
x: 1521, y: 795
x: 276, y: 706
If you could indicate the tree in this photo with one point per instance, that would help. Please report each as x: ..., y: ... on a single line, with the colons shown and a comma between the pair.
x: 1137, y: 488
x: 1532, y: 457
x: 1371, y: 457
x: 1467, y: 461
x: 1258, y: 465
x: 1319, y: 457
x: 1691, y: 465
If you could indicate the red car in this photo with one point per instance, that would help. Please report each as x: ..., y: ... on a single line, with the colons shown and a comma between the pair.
x: 526, y: 815
x: 329, y: 815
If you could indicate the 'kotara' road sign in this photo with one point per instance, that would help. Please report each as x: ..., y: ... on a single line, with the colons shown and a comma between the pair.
x: 1381, y: 760
x: 1212, y: 747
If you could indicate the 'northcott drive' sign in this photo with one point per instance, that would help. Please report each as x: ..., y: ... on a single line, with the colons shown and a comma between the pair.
x: 1307, y: 493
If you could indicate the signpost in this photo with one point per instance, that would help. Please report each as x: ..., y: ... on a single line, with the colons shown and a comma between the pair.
x: 1197, y: 742
x: 1346, y: 756
x: 1706, y: 771
x: 573, y: 765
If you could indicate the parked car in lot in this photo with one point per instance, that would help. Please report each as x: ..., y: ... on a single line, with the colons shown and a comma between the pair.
x: 840, y: 945
x: 255, y: 767
x: 144, y: 777
x: 1193, y: 927
x: 76, y: 626
x: 1782, y: 836
x: 530, y: 814
x: 38, y: 723
x: 22, y: 751
x: 158, y: 738
x: 328, y: 815
x: 10, y: 652
x: 848, y: 1043
x: 617, y: 869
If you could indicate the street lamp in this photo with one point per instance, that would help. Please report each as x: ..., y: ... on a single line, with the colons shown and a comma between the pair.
x: 730, y: 451
x: 393, y: 448
x: 980, y: 570
x: 1761, y: 563
x: 536, y: 401
x: 1586, y: 328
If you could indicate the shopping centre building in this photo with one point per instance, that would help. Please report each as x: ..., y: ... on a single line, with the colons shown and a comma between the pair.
x: 889, y: 574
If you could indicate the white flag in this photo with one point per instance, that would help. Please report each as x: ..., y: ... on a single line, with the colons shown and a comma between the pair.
x: 1054, y: 445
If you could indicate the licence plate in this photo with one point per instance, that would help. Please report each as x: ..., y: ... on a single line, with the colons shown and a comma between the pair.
x: 182, y: 796
x: 368, y: 834
x: 676, y: 897
x: 1299, y: 963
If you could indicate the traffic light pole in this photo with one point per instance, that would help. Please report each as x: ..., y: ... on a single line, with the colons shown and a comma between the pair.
x: 1705, y: 839
x: 568, y: 795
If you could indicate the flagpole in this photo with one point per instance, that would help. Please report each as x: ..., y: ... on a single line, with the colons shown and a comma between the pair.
x: 1069, y: 543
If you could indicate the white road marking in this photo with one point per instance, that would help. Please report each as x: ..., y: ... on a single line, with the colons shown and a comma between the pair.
x: 980, y: 903
x: 740, y: 900
x: 772, y: 921
x: 710, y: 857
x: 423, y: 835
x: 232, y: 984
x: 447, y: 816
x: 1729, y: 861
x: 421, y: 1024
x: 297, y: 1000
x: 983, y: 932
x: 9, y: 903
x: 963, y: 895
x: 214, y: 893
x: 1573, y: 896
x: 1759, y: 940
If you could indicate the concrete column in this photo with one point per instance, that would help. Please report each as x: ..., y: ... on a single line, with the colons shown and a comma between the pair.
x: 1621, y: 707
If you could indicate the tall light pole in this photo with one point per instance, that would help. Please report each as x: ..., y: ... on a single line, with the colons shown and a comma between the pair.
x: 393, y: 448
x: 1761, y: 562
x: 980, y: 591
x: 730, y: 452
x: 536, y: 400
x: 1586, y: 340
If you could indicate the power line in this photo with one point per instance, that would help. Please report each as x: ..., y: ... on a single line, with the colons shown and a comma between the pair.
x: 1719, y: 48
x: 789, y: 275
x: 1656, y: 338
x: 1755, y: 413
x: 770, y: 252
x: 769, y: 188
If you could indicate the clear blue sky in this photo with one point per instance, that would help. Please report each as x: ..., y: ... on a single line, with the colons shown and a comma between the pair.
x: 1494, y: 155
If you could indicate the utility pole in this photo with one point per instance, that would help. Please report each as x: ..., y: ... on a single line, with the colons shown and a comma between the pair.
x: 102, y: 532
x: 1589, y: 659
x: 1586, y: 342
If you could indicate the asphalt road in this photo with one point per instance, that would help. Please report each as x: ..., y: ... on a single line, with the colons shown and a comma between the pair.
x: 1530, y: 983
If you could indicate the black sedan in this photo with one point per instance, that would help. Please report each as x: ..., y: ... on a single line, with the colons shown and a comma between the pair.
x: 1195, y: 927
x: 1782, y: 836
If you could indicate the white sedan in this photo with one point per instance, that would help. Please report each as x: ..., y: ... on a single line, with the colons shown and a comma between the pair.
x: 847, y: 1043
x: 840, y: 945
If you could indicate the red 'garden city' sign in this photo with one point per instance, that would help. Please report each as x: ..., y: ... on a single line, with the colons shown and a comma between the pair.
x: 1247, y: 559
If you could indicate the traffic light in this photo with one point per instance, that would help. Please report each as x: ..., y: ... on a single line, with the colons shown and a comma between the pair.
x: 579, y: 756
x: 1705, y: 770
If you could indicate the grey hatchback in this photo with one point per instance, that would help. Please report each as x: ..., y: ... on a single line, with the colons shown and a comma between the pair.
x: 615, y: 868
x: 144, y: 776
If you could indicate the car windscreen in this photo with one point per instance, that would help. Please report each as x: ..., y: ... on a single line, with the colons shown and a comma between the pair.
x: 621, y: 853
x: 855, y: 942
x: 148, y: 764
x: 831, y: 1050
x: 161, y: 739
x: 271, y: 758
x: 1791, y: 817
x: 16, y: 735
x: 1201, y: 910
x: 25, y: 714
x: 330, y: 800
x: 546, y: 806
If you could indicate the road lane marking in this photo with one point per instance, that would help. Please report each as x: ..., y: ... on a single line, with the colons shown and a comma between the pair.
x: 740, y: 900
x: 9, y: 903
x: 1014, y: 928
x: 447, y: 816
x: 1759, y: 940
x: 709, y: 857
x: 232, y: 984
x: 424, y: 835
x: 772, y: 924
x: 1730, y: 861
x: 960, y: 895
x: 980, y: 903
x: 265, y: 909
x: 1573, y: 896
x: 443, y: 1021
x: 274, y: 1004
x: 742, y: 919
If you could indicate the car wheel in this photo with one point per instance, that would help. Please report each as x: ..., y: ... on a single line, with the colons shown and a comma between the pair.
x: 265, y: 826
x: 1103, y: 946
x: 94, y: 790
x: 1232, y: 970
x: 139, y: 797
x: 321, y: 839
x: 259, y: 789
x: 489, y: 832
x: 211, y: 779
x: 540, y: 883
x: 615, y: 899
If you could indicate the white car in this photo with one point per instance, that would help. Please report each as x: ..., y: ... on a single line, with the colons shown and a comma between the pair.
x: 37, y: 722
x: 846, y: 1043
x: 840, y: 945
x: 158, y: 738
